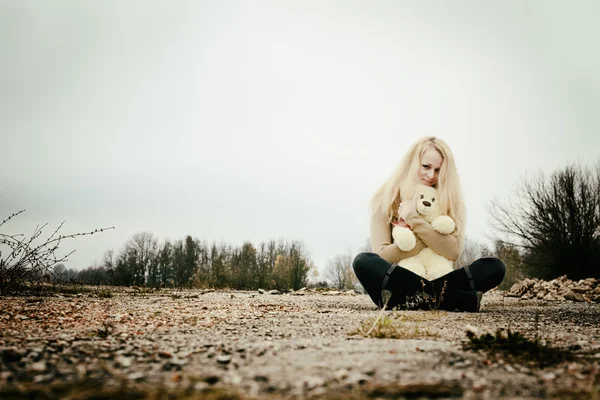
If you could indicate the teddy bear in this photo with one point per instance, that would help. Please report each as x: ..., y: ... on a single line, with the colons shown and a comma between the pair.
x: 427, y: 263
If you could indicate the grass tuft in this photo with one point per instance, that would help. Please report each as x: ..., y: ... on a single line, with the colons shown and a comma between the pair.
x: 394, y: 325
x: 103, y: 293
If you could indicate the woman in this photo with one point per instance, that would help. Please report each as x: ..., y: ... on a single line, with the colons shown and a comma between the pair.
x: 428, y: 162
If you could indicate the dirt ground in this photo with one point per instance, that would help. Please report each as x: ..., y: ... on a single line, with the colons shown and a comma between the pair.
x: 237, y: 344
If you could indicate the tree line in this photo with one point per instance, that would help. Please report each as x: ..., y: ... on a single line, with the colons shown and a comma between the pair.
x: 187, y: 263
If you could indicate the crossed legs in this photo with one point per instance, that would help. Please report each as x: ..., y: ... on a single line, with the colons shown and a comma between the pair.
x: 482, y: 275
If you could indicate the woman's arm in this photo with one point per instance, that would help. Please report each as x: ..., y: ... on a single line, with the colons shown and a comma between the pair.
x: 381, y: 240
x: 445, y: 245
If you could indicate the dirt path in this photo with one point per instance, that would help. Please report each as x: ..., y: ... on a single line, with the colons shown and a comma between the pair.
x: 230, y: 344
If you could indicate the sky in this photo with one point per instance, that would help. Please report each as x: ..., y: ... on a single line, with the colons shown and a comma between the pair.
x: 244, y: 121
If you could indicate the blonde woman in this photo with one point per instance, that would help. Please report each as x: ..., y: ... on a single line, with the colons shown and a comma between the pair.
x: 429, y: 162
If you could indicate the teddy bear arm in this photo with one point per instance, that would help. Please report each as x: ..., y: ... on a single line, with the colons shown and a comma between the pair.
x: 444, y: 225
x: 404, y: 238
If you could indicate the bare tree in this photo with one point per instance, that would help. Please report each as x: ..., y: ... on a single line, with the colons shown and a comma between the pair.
x: 22, y: 259
x: 339, y: 271
x: 472, y: 251
x: 142, y: 249
x: 555, y: 223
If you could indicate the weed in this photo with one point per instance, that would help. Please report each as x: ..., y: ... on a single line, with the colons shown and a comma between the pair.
x: 105, y: 331
x: 424, y: 301
x: 394, y: 325
x: 176, y: 295
x: 516, y: 347
x: 46, y: 288
x: 103, y: 293
x: 143, y: 290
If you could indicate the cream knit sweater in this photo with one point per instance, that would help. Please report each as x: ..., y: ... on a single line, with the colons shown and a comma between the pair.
x: 448, y: 246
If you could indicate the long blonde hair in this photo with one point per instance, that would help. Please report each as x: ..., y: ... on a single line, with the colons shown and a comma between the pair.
x: 401, y: 184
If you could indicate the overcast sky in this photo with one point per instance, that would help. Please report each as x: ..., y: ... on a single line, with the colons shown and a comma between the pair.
x: 246, y: 121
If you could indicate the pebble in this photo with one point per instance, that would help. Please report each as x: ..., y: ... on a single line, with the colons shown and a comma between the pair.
x: 357, y: 378
x: 43, y: 378
x: 341, y: 374
x: 136, y: 376
x: 549, y: 376
x: 39, y: 366
x: 124, y: 362
x: 479, y: 386
x: 200, y: 386
x: 311, y: 382
x: 164, y: 354
x: 261, y: 378
x: 224, y: 359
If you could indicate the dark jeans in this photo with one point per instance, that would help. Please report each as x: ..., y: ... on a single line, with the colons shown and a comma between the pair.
x: 456, y: 288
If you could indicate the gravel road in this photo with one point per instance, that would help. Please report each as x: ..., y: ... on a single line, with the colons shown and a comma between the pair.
x: 239, y: 344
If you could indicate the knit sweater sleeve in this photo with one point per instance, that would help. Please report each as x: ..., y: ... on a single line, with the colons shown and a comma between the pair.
x: 382, y: 242
x: 448, y: 246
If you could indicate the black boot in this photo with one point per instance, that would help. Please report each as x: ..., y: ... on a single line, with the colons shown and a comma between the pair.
x: 462, y: 301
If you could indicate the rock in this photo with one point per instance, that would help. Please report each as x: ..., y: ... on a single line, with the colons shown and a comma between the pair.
x: 261, y: 291
x: 557, y: 289
x: 8, y: 376
x: 11, y: 354
x: 548, y: 297
x: 578, y: 297
x: 174, y: 364
x: 341, y: 374
x: 479, y: 386
x: 582, y: 289
x: 200, y: 386
x: 312, y: 382
x: 569, y: 295
x: 47, y: 378
x: 164, y: 354
x: 136, y: 376
x: 356, y: 378
x: 211, y: 379
x: 39, y: 366
x: 261, y: 378
x: 550, y: 376
x: 224, y: 359
x: 123, y: 361
x: 273, y: 291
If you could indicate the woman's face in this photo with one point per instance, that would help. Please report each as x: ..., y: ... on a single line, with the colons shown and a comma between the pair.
x: 429, y: 170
